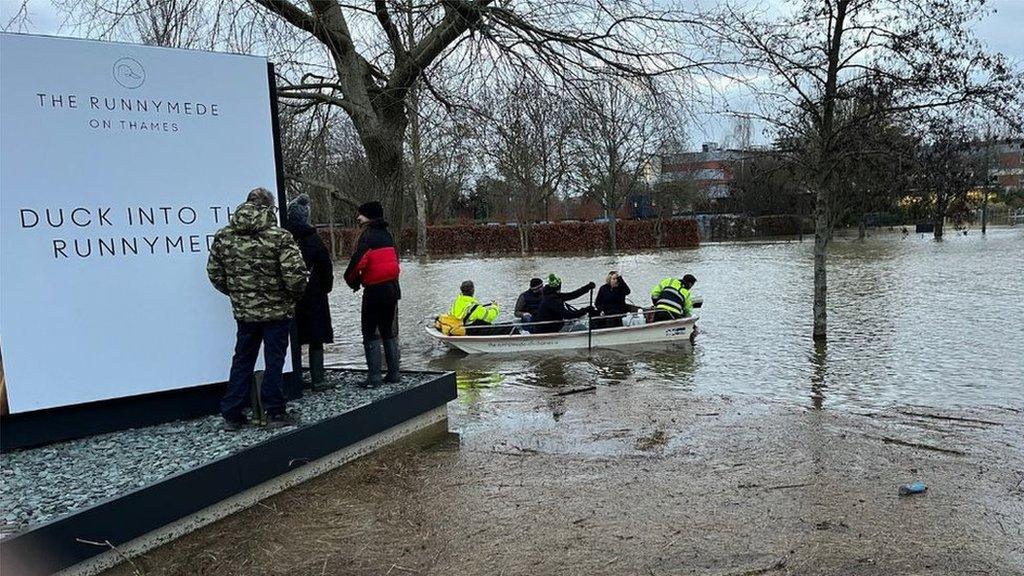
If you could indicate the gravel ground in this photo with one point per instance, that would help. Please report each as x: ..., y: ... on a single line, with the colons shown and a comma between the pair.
x: 41, y: 484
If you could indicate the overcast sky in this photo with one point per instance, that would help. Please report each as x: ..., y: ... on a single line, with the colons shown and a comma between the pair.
x: 1002, y: 31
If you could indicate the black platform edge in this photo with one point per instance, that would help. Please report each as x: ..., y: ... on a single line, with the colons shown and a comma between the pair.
x: 55, y: 546
x: 41, y: 427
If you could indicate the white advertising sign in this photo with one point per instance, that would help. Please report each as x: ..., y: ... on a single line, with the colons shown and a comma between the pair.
x: 118, y: 163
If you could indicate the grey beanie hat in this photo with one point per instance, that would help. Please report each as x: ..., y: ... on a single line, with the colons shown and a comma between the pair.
x: 298, y: 210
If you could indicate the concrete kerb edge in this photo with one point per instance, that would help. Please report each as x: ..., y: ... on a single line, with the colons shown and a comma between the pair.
x: 250, y: 497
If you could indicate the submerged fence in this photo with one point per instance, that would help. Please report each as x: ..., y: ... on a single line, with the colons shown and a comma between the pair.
x: 719, y: 227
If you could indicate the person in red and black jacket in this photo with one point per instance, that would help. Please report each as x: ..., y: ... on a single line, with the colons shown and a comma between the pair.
x: 374, y: 267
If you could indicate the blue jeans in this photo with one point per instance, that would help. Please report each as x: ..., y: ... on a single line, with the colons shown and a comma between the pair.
x: 273, y: 335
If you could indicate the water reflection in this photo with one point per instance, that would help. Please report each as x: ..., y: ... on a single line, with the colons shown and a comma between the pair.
x: 471, y: 383
x: 910, y: 321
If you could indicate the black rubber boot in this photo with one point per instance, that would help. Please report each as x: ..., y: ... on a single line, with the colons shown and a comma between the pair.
x: 393, y: 354
x: 316, y: 369
x: 373, y: 364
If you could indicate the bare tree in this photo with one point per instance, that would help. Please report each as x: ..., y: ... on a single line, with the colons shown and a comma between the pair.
x: 375, y: 66
x: 808, y: 61
x: 527, y: 140
x: 742, y: 133
x: 669, y: 196
x: 447, y: 159
x: 378, y: 61
x: 765, y: 184
x: 18, y: 21
x: 173, y: 23
x: 621, y: 128
x: 950, y: 163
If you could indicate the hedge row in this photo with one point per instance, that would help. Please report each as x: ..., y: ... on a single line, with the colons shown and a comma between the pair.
x: 554, y: 237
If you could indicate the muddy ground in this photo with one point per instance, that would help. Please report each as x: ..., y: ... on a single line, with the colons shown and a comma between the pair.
x: 635, y: 479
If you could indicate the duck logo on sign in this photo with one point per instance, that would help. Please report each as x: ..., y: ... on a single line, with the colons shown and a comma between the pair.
x: 128, y: 72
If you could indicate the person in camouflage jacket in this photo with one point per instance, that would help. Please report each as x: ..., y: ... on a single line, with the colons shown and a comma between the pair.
x: 258, y: 265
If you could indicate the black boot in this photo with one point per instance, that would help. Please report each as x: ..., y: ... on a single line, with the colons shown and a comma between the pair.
x: 393, y: 354
x: 316, y: 368
x: 373, y: 363
x: 301, y: 373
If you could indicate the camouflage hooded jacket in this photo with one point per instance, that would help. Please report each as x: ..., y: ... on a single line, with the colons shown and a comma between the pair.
x: 258, y: 265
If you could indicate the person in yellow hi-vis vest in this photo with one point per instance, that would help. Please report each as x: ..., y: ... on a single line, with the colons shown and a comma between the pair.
x: 470, y: 310
x: 672, y: 299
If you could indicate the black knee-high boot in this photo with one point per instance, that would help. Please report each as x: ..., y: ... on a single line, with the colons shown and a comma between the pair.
x: 373, y: 363
x: 316, y: 367
x: 393, y: 354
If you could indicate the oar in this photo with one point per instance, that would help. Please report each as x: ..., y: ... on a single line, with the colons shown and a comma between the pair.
x: 590, y: 323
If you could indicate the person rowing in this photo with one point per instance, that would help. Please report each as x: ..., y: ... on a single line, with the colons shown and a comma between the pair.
x: 470, y: 310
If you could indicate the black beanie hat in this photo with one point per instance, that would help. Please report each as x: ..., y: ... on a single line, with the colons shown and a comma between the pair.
x: 535, y: 282
x: 372, y: 210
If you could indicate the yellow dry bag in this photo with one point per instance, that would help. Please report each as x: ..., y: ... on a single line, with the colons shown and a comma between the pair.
x: 450, y: 325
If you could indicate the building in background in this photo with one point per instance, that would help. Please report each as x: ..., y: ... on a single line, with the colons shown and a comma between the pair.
x: 712, y: 170
x: 1008, y: 171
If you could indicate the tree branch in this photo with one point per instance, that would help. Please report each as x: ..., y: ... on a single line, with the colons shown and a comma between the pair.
x: 394, y: 39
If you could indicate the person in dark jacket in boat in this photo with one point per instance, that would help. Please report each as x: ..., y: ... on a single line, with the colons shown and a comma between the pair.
x: 556, y: 283
x: 611, y: 301
x: 529, y: 301
x: 312, y: 313
x: 553, y: 311
x: 374, y: 268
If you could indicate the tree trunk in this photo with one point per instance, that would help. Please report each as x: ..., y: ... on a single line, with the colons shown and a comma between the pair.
x: 939, y: 215
x: 384, y: 155
x: 419, y: 194
x: 861, y: 228
x: 984, y: 211
x: 330, y: 224
x: 383, y: 138
x: 821, y: 237
x: 822, y: 225
x: 524, y: 236
x: 612, y: 239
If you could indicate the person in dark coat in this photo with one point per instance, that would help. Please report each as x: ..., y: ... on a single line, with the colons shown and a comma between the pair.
x: 611, y: 301
x: 529, y: 300
x: 374, y: 268
x: 312, y: 313
x: 553, y: 312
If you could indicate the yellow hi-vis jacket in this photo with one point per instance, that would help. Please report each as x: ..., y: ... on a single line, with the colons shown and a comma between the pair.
x: 470, y: 310
x: 669, y: 295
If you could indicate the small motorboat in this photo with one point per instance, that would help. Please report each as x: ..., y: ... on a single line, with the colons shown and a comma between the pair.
x: 514, y: 340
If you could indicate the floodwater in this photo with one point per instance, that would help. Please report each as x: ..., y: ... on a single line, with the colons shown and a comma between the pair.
x: 751, y: 452
x: 911, y: 321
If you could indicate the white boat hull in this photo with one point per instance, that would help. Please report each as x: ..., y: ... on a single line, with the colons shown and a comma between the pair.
x: 659, y: 332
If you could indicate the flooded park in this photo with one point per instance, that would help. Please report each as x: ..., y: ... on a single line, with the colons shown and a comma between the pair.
x: 752, y: 452
x: 531, y: 288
